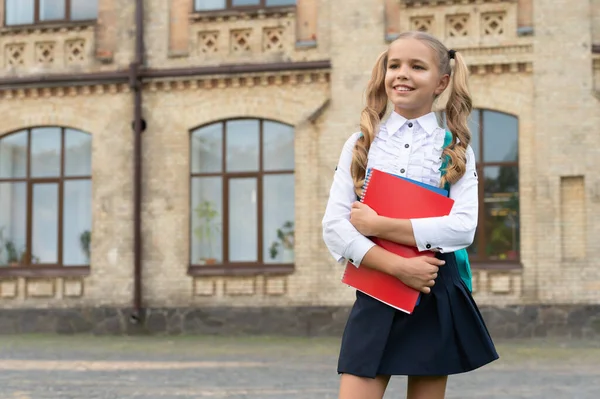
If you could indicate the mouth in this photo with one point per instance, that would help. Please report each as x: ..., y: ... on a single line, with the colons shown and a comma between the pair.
x: 403, y: 88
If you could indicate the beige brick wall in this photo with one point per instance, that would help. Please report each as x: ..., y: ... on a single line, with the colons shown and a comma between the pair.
x: 596, y: 21
x: 529, y: 77
x: 107, y: 118
x: 567, y: 115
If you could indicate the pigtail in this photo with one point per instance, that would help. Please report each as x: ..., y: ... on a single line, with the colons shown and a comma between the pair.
x: 458, y: 109
x: 370, y: 117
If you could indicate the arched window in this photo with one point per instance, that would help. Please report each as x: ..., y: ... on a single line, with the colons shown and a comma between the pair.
x: 496, y: 146
x: 242, y: 194
x: 45, y: 198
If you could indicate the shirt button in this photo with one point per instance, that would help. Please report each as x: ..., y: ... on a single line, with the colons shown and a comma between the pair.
x: 351, y: 260
x: 410, y: 124
x: 428, y: 246
x: 402, y: 170
x: 406, y: 145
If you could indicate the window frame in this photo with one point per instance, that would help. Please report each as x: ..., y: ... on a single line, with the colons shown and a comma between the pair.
x: 37, y: 21
x: 57, y: 269
x: 230, y: 7
x: 227, y: 267
x: 480, y: 235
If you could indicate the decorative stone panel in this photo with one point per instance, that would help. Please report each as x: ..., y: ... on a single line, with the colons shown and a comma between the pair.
x: 457, y: 25
x: 53, y: 48
x: 240, y: 41
x: 423, y: 24
x: 14, y: 54
x: 208, y: 42
x: 40, y: 288
x: 492, y: 23
x: 45, y: 53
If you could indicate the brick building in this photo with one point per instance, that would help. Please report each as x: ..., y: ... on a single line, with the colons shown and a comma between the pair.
x: 170, y: 164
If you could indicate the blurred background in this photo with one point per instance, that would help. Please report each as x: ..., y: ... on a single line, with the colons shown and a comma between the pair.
x: 165, y: 164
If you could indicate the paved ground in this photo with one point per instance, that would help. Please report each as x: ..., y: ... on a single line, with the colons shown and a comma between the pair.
x: 69, y: 367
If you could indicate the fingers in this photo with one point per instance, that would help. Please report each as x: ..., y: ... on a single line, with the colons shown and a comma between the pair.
x: 434, y: 261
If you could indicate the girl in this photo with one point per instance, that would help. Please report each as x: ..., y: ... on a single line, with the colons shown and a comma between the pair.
x: 445, y: 334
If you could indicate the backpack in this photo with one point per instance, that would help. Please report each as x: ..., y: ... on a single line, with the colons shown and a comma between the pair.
x: 462, y: 256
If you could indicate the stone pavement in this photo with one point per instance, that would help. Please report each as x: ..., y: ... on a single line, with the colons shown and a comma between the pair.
x: 81, y: 366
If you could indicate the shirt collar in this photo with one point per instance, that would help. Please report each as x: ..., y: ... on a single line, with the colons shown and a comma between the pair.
x: 395, y: 121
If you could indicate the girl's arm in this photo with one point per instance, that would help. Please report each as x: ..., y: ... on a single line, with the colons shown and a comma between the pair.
x: 444, y: 234
x: 344, y: 242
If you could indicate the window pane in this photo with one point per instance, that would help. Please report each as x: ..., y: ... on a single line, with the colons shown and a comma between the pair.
x: 78, y: 153
x: 278, y: 214
x: 242, y: 220
x: 280, y: 3
x: 501, y: 211
x: 13, y: 222
x: 237, y: 3
x: 45, y: 152
x: 473, y: 122
x: 77, y: 222
x: 84, y: 9
x: 278, y: 150
x: 52, y: 10
x: 500, y: 133
x: 207, y: 220
x: 44, y: 241
x: 203, y: 5
x: 242, y: 145
x: 19, y: 12
x: 13, y: 156
x: 207, y: 149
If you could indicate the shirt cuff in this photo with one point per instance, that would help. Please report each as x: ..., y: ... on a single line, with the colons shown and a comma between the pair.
x: 425, y: 232
x: 357, y: 249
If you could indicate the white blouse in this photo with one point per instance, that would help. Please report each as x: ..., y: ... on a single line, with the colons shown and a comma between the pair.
x: 410, y: 148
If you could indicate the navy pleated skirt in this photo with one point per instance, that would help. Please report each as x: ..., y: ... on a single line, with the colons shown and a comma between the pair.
x: 444, y: 335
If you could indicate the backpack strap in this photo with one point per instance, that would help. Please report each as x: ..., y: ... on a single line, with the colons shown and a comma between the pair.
x: 462, y: 256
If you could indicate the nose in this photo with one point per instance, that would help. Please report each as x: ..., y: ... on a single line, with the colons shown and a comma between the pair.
x: 403, y: 72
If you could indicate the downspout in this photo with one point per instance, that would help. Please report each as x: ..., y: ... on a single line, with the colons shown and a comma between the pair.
x: 138, y: 128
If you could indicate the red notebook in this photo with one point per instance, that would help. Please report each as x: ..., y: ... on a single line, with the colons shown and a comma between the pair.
x: 400, y: 198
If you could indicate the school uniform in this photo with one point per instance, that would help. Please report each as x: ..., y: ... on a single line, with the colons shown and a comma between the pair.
x: 446, y: 333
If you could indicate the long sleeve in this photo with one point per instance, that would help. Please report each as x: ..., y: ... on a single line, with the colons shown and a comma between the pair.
x: 341, y: 237
x: 457, y: 230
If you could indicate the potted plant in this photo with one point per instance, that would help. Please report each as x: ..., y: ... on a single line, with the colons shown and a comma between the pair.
x: 12, y: 255
x: 84, y: 241
x: 208, y: 228
x: 285, y: 242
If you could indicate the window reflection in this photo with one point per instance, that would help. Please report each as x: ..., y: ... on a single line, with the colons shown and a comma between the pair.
x: 45, y: 171
x: 501, y: 210
x: 250, y: 204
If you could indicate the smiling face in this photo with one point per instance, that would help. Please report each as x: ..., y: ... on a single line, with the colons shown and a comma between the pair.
x: 412, y: 77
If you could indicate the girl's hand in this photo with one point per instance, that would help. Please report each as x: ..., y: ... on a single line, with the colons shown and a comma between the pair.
x: 364, y: 219
x: 419, y: 273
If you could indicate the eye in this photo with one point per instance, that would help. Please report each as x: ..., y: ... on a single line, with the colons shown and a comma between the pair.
x: 418, y: 67
x: 393, y: 66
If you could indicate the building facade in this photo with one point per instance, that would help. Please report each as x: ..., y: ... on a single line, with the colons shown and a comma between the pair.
x: 165, y: 165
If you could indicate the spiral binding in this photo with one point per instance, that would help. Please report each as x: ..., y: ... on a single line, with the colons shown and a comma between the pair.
x: 365, y: 185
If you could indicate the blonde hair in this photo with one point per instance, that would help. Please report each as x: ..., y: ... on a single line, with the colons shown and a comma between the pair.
x: 458, y: 108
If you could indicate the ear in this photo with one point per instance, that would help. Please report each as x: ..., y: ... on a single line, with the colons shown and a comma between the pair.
x: 442, y: 84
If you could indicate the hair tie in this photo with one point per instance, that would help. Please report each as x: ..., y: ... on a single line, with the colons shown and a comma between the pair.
x: 451, y: 54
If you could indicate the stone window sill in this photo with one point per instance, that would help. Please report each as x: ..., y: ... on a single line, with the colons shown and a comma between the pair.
x: 48, y: 27
x: 252, y: 13
x: 241, y: 270
x: 44, y: 271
